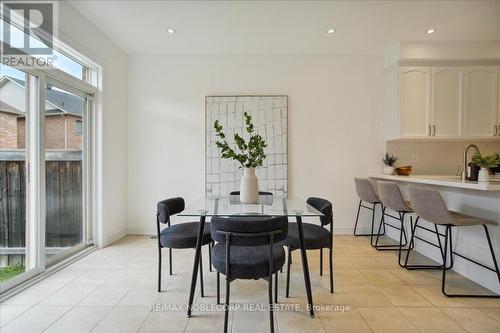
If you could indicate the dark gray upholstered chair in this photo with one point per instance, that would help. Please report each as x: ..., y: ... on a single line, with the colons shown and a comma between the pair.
x: 391, y: 198
x: 178, y: 236
x: 430, y: 206
x: 315, y: 238
x: 367, y: 194
x: 246, y: 249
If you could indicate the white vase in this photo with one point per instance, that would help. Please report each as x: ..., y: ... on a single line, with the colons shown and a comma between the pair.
x: 388, y: 170
x: 249, y: 190
x: 484, y: 175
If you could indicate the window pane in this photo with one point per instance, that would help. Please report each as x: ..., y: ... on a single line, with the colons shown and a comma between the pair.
x: 63, y: 168
x: 13, y: 260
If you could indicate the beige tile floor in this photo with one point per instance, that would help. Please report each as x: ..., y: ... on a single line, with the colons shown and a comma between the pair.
x: 113, y: 290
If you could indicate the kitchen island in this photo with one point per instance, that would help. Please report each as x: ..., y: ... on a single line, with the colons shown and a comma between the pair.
x: 472, y: 198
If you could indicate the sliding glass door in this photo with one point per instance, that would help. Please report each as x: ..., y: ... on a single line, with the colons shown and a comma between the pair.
x: 45, y: 153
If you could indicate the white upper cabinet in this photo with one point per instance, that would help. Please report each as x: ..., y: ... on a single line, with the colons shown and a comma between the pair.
x: 447, y: 102
x: 414, y: 101
x: 480, y: 100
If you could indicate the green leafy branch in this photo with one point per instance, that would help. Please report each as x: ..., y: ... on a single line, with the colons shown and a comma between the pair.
x: 249, y: 155
x: 486, y: 161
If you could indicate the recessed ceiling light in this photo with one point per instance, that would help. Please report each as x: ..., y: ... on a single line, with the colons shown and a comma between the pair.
x: 171, y: 30
x: 430, y: 31
x: 330, y: 31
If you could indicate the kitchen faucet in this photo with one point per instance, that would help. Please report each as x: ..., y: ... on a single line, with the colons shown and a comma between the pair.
x: 465, y: 167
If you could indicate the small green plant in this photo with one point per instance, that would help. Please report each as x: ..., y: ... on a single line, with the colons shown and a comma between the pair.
x: 486, y: 161
x: 389, y: 160
x: 251, y: 154
x: 8, y: 272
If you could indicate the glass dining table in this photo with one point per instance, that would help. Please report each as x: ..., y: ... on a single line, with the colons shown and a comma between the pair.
x: 270, y: 205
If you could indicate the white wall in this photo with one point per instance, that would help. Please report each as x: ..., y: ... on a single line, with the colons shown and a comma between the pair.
x: 80, y: 34
x: 334, y: 124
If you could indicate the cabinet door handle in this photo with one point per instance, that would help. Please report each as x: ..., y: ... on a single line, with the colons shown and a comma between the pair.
x: 434, y: 130
x: 496, y: 130
x: 429, y: 132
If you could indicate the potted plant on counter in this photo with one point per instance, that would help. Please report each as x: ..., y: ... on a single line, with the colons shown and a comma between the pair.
x: 389, y: 161
x: 250, y: 156
x: 486, y: 162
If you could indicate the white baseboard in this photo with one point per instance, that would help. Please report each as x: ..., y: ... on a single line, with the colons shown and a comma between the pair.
x: 114, y: 237
x: 141, y: 231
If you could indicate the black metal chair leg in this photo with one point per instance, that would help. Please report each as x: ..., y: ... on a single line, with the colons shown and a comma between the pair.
x: 170, y: 261
x: 226, y: 307
x: 218, y: 288
x: 412, y: 246
x: 379, y: 227
x: 270, y: 285
x: 495, y: 263
x: 445, y: 254
x: 159, y: 269
x: 443, y: 281
x: 201, y: 275
x: 320, y: 262
x: 331, y: 269
x: 289, y: 263
x: 210, y: 256
x: 402, y: 217
x: 276, y: 288
x: 357, y: 218
x: 412, y: 241
x: 373, y: 223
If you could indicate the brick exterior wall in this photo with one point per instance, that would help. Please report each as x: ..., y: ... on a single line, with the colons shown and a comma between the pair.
x: 12, y: 132
x: 8, y: 130
x: 21, y: 134
x: 74, y: 139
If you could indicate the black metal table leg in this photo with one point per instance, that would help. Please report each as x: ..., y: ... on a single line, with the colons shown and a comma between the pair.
x: 196, y: 263
x: 305, y: 266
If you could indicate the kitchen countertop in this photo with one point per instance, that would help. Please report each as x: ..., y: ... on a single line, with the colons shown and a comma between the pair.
x: 444, y: 180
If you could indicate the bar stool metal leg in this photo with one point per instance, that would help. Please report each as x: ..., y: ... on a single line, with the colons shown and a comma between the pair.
x: 391, y: 247
x: 443, y: 280
x: 373, y: 220
x: 412, y: 246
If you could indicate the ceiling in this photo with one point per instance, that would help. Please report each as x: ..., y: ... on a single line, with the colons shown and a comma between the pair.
x: 287, y: 27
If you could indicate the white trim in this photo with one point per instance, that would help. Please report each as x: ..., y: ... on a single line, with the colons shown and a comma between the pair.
x: 37, y: 278
x: 114, y: 237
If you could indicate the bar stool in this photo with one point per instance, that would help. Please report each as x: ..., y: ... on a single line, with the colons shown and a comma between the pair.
x: 429, y: 205
x: 391, y: 197
x: 367, y: 194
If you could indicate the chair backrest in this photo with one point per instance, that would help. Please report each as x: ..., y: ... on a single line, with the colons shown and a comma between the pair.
x: 260, y: 193
x: 169, y: 207
x: 429, y: 205
x: 249, y: 231
x: 390, y: 195
x: 325, y: 207
x: 366, y: 190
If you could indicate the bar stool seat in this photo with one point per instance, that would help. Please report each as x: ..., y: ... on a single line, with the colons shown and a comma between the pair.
x: 459, y: 219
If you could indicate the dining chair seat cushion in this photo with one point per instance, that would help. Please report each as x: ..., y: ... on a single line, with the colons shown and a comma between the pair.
x: 184, y: 235
x: 315, y: 236
x: 247, y: 262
